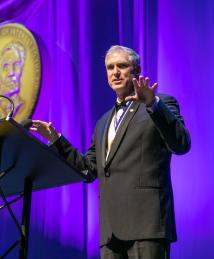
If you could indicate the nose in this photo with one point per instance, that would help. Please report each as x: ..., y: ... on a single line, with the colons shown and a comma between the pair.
x: 116, y: 71
x: 9, y: 71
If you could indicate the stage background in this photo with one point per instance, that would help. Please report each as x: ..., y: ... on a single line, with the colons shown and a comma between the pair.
x: 175, y: 40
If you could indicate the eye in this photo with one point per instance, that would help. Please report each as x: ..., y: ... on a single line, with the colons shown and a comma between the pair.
x: 123, y: 65
x: 110, y: 67
x: 6, y: 65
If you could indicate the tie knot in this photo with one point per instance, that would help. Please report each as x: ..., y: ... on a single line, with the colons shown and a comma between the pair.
x: 120, y: 105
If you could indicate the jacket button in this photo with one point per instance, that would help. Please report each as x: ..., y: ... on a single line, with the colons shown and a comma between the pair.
x: 107, y: 174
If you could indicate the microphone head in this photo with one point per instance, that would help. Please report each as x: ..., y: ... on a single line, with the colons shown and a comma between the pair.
x: 26, y: 123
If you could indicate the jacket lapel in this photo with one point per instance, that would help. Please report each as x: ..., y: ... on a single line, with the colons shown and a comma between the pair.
x: 121, y: 131
x: 106, y: 125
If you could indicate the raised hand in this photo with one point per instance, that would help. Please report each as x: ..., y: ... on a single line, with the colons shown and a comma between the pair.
x: 143, y: 92
x: 45, y: 129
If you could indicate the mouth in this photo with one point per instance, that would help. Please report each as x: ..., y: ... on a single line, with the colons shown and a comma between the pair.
x: 117, y: 81
x: 10, y: 83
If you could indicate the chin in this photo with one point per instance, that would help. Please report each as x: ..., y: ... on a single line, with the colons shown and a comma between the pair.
x: 122, y: 90
x: 118, y: 89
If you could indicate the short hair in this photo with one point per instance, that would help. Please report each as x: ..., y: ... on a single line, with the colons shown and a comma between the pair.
x: 133, y: 56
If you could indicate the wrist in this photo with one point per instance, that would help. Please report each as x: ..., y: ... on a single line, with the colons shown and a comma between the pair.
x: 152, y: 108
x: 54, y: 136
x: 151, y: 102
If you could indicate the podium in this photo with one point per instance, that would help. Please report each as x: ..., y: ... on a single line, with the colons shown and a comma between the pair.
x: 27, y: 165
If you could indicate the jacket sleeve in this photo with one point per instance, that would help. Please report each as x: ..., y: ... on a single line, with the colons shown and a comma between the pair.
x: 170, y: 125
x: 85, y: 164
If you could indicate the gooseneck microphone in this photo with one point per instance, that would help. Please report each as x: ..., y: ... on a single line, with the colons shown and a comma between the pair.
x: 10, y: 114
x: 27, y: 123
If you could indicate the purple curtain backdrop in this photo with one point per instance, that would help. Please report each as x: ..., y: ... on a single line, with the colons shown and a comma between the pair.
x: 185, y: 70
x: 174, y: 39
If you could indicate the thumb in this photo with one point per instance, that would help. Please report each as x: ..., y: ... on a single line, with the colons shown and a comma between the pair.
x: 130, y: 98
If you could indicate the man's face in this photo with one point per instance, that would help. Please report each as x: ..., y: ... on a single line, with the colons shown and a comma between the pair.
x: 11, y: 70
x: 120, y: 72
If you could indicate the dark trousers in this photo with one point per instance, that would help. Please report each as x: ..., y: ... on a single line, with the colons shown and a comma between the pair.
x: 139, y: 249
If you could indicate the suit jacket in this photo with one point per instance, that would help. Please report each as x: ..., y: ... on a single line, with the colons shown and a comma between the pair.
x: 135, y: 191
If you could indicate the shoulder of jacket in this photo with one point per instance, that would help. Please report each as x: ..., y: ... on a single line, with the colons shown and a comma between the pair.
x: 166, y: 97
x: 105, y: 116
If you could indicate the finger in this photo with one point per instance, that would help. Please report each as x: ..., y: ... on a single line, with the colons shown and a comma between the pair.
x: 147, y: 82
x: 40, y: 124
x: 131, y: 98
x: 37, y: 122
x: 155, y: 86
x: 136, y: 85
x: 48, y: 130
x: 49, y: 127
x: 141, y: 81
x: 33, y: 129
x: 35, y: 125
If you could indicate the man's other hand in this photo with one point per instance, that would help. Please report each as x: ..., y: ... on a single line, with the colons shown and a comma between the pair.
x: 45, y: 129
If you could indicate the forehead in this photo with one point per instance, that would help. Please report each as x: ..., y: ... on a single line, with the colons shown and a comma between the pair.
x: 10, y: 54
x: 118, y: 57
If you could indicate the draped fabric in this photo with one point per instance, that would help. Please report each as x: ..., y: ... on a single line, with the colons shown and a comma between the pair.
x: 185, y: 70
x: 174, y: 39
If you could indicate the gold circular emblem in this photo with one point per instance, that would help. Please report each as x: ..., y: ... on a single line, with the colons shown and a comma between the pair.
x: 20, y: 70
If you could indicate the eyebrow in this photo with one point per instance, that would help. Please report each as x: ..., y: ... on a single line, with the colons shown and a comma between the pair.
x: 126, y: 64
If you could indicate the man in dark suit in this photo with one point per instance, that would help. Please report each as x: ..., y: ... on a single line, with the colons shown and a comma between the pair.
x: 130, y: 154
